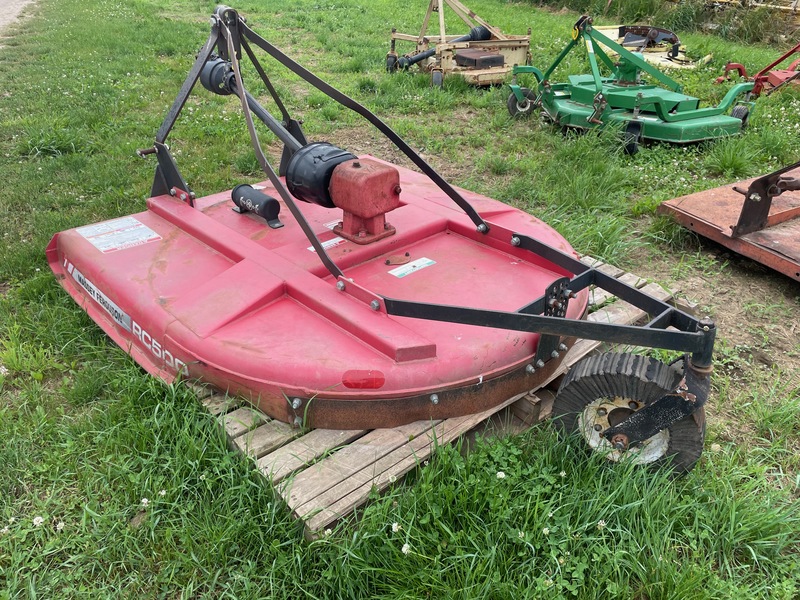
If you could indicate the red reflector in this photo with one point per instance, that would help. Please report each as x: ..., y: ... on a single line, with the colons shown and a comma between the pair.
x: 363, y: 380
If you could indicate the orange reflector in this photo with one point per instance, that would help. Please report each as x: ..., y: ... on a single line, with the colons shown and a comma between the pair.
x: 363, y: 380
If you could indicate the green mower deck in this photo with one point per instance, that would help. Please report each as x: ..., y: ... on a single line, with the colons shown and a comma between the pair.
x: 644, y: 111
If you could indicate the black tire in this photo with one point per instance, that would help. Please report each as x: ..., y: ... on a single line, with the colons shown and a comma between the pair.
x: 632, y: 137
x: 391, y: 63
x: 437, y: 79
x: 743, y: 113
x: 521, y: 109
x: 620, y: 384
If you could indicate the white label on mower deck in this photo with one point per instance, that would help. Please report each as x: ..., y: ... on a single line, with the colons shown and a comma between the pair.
x: 118, y: 234
x: 413, y: 266
x: 329, y: 243
x: 120, y: 317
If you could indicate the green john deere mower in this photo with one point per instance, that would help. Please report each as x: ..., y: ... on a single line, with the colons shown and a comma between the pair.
x: 644, y: 111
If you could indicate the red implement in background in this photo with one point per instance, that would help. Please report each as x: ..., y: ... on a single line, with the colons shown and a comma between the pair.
x: 768, y: 78
x: 761, y: 222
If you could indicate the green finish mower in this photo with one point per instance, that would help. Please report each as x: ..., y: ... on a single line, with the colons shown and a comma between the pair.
x: 644, y: 111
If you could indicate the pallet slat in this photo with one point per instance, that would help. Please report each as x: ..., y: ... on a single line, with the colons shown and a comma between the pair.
x: 283, y: 462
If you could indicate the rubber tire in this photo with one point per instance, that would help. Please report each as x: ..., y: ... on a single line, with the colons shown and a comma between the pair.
x: 631, y: 139
x: 391, y: 64
x: 437, y: 79
x: 743, y: 113
x: 614, y: 374
x: 514, y: 108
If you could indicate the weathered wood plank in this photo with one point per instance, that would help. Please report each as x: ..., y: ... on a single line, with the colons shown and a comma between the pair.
x: 390, y: 468
x: 363, y: 453
x: 241, y: 421
x: 266, y: 438
x: 278, y: 465
x: 219, y: 404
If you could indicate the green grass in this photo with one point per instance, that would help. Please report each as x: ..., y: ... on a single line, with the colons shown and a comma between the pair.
x: 87, y: 436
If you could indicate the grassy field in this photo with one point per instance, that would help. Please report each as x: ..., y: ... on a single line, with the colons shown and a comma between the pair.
x: 114, y: 485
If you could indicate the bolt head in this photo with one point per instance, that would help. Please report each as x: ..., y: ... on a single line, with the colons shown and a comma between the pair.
x: 482, y: 228
x: 530, y: 369
x: 434, y: 399
x: 539, y: 363
x: 375, y: 305
x: 554, y: 354
x: 340, y: 286
x: 296, y: 403
x: 515, y: 241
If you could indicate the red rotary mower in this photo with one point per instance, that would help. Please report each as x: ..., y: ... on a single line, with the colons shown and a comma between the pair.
x: 390, y: 297
x: 769, y: 78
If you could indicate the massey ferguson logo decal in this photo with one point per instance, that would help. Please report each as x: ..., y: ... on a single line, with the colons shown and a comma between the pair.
x: 125, y: 321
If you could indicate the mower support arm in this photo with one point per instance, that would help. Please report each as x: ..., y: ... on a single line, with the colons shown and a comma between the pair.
x: 710, y: 111
x: 596, y: 36
x: 670, y: 328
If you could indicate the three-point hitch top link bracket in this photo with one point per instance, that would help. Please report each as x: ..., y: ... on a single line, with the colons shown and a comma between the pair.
x: 668, y: 328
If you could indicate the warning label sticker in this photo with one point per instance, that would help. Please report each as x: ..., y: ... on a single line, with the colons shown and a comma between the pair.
x: 118, y: 234
x: 326, y: 245
x: 412, y: 267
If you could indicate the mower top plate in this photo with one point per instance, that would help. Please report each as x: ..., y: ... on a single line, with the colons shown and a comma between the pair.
x: 218, y: 295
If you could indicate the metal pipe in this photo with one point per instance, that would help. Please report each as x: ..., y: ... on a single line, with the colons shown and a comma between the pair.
x: 476, y: 34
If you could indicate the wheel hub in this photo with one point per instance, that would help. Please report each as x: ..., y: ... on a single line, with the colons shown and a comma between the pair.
x: 607, y: 412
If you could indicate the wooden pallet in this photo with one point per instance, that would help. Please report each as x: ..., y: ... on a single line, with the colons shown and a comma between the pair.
x: 323, y: 475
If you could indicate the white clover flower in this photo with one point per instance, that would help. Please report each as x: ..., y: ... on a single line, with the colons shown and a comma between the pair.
x: 501, y: 475
x: 548, y: 582
x: 521, y: 535
x: 328, y: 532
x: 162, y: 493
x: 12, y: 520
x: 601, y: 524
x: 145, y: 502
x: 396, y: 527
x: 37, y: 521
x: 563, y: 473
x: 546, y: 531
x: 4, y: 530
x: 405, y: 549
x: 60, y: 526
x: 716, y: 448
x: 550, y: 514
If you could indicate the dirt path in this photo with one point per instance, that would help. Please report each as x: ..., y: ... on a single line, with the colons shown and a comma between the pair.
x: 10, y: 11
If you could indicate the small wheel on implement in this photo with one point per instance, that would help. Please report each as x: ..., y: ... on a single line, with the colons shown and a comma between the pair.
x: 632, y: 137
x: 743, y: 113
x: 602, y: 391
x: 391, y: 63
x: 437, y: 79
x: 519, y: 109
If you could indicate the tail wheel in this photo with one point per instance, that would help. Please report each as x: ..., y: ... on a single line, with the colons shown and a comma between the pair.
x: 603, y: 390
x: 391, y: 63
x: 521, y: 108
x: 437, y: 79
x: 632, y: 137
x: 741, y: 112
